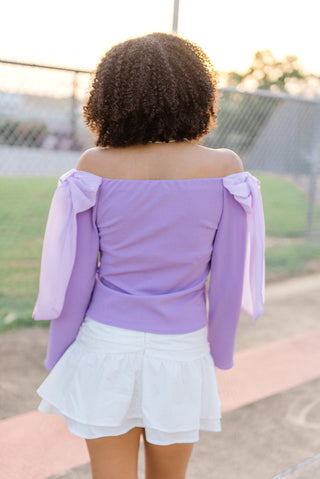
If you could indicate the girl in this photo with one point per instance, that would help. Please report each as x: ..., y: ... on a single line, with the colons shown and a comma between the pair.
x: 132, y: 236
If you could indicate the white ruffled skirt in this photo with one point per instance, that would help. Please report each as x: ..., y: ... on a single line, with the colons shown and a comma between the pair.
x: 111, y: 380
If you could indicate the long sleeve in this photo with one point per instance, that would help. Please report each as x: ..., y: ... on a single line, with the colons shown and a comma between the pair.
x: 69, y: 261
x: 237, y: 265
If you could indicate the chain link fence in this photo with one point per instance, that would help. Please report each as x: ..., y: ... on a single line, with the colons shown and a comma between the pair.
x: 41, y: 126
x: 42, y: 130
x: 42, y: 135
x: 277, y: 134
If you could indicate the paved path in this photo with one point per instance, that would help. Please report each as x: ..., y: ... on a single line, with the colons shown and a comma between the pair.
x: 270, y: 401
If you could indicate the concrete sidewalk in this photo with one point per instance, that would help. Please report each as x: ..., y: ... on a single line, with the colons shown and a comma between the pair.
x: 270, y: 401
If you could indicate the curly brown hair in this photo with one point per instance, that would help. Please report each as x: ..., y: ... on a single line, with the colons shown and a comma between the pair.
x: 158, y: 87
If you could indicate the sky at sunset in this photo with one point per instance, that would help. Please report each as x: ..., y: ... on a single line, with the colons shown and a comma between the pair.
x: 77, y: 33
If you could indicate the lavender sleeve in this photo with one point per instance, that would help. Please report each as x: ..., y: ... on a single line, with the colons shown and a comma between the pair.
x: 69, y: 261
x: 237, y: 272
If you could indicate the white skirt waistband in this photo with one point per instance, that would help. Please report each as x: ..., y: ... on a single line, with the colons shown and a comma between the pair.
x: 100, y: 336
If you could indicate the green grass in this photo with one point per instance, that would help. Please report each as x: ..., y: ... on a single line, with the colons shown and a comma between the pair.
x: 24, y: 206
x: 285, y: 207
x: 292, y: 259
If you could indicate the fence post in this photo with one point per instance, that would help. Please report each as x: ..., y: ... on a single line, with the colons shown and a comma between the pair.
x: 175, y: 19
x: 73, y: 113
x: 311, y: 195
x: 314, y: 163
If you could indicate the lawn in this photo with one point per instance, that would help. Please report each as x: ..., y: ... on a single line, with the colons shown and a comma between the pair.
x: 23, y: 212
x: 299, y: 257
x: 284, y: 205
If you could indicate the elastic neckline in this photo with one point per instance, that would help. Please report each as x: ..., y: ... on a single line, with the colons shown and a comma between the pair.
x: 164, y: 180
x: 216, y: 178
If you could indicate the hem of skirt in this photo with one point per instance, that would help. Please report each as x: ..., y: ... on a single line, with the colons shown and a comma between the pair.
x: 136, y: 422
x: 63, y: 413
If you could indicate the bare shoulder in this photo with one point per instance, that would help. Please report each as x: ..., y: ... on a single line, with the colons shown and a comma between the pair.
x: 89, y: 160
x: 225, y: 162
x: 93, y: 161
x: 231, y: 162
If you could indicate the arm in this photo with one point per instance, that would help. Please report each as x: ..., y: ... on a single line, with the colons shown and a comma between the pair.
x: 237, y: 275
x: 64, y: 328
x: 69, y: 261
x: 226, y: 281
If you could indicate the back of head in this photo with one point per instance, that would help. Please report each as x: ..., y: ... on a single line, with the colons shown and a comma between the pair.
x: 158, y: 87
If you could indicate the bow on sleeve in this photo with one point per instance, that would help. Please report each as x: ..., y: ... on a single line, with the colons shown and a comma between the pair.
x: 76, y: 192
x: 246, y: 190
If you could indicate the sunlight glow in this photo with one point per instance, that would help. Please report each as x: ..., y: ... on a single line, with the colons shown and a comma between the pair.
x: 76, y: 34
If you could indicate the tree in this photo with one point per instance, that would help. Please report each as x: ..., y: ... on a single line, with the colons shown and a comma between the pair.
x: 267, y: 73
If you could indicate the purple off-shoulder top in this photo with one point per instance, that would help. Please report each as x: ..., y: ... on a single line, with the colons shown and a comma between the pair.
x: 158, y: 240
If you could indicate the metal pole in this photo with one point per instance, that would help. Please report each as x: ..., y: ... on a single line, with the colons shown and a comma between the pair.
x: 311, y: 197
x: 49, y: 67
x: 314, y: 170
x: 73, y: 115
x: 175, y: 16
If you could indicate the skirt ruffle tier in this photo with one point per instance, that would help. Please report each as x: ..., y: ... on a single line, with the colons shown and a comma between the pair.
x: 111, y: 380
